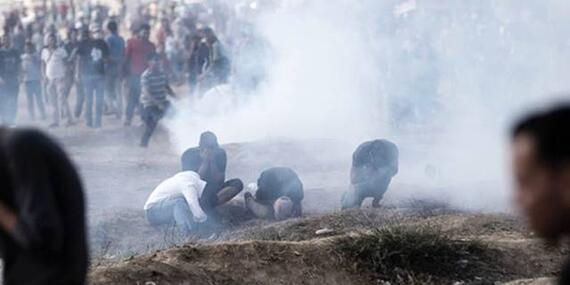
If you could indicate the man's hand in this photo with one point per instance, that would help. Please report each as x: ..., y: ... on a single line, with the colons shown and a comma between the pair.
x: 206, y: 154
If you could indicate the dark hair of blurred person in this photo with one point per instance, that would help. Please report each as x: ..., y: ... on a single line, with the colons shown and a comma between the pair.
x: 42, y: 211
x: 541, y: 162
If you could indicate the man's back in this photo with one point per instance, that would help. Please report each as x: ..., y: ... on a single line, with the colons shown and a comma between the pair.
x: 48, y: 245
x: 279, y: 181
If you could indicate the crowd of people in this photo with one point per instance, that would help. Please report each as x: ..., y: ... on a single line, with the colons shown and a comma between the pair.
x: 79, y: 64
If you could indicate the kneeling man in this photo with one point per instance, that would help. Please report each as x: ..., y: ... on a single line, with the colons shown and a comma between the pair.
x: 177, y: 201
x: 279, y: 195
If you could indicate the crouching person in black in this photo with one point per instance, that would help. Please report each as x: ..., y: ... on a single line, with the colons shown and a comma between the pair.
x: 42, y: 214
x: 374, y: 164
x: 209, y: 160
x: 279, y: 195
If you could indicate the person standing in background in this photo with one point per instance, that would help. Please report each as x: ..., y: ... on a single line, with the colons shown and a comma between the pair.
x: 116, y: 57
x: 9, y: 83
x: 70, y: 47
x: 137, y: 51
x: 93, y: 53
x: 32, y: 81
x: 54, y: 60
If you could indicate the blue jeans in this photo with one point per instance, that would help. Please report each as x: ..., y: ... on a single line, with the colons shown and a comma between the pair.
x: 171, y: 212
x: 94, y: 88
x: 9, y: 102
x: 34, y: 94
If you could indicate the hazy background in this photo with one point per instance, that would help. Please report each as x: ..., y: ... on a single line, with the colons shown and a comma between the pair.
x: 444, y: 79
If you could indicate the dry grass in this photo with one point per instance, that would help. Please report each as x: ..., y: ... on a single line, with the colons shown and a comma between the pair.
x: 417, y: 256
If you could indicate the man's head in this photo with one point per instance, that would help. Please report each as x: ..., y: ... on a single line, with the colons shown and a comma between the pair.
x: 96, y: 31
x: 144, y: 32
x: 30, y: 48
x: 52, y: 41
x: 283, y: 208
x: 208, y: 140
x: 541, y: 160
x: 112, y: 27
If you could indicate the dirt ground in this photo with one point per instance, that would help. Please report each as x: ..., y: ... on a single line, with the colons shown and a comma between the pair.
x: 236, y: 249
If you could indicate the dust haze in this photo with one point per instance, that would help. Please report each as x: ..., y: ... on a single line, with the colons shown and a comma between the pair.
x: 442, y: 79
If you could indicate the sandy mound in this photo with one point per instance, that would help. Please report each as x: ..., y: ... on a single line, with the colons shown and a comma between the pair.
x: 353, y: 252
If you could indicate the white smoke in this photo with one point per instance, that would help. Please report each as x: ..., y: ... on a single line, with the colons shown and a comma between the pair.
x: 442, y: 78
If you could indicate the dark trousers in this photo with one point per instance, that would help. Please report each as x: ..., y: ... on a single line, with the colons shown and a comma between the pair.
x: 34, y: 94
x: 133, y: 97
x: 80, y: 100
x: 94, y: 91
x: 150, y: 116
x: 209, y: 198
x: 9, y: 101
x: 113, y: 96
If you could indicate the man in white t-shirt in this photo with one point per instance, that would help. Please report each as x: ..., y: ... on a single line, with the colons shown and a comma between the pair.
x: 177, y: 201
x: 54, y: 61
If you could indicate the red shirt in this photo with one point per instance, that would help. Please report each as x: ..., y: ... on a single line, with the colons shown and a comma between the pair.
x: 136, y: 53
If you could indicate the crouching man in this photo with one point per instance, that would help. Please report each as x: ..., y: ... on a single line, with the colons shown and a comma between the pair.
x: 374, y: 163
x: 279, y: 195
x: 209, y: 160
x: 176, y: 201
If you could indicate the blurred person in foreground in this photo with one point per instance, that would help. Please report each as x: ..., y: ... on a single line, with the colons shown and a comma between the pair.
x: 209, y: 160
x: 155, y: 89
x: 42, y: 212
x: 374, y: 164
x: 541, y: 163
x: 278, y: 196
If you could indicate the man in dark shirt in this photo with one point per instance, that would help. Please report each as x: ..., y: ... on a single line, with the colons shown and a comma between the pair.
x: 71, y: 79
x: 541, y: 160
x: 92, y: 53
x: 117, y: 54
x: 278, y: 196
x: 209, y: 161
x: 374, y: 163
x: 42, y: 214
x: 9, y: 83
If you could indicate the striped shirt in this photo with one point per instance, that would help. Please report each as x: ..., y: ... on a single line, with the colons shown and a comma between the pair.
x: 154, y: 88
